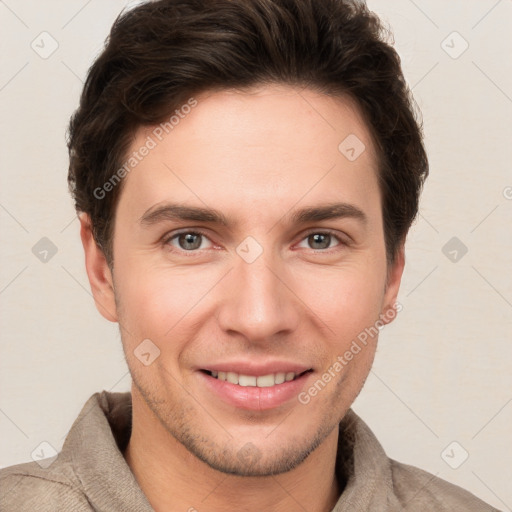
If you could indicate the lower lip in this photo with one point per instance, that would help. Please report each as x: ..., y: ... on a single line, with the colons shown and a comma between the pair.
x: 252, y: 397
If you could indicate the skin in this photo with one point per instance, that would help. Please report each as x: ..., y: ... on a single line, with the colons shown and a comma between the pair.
x: 256, y: 156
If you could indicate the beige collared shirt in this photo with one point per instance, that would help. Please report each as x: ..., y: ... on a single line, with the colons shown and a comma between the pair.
x: 90, y: 473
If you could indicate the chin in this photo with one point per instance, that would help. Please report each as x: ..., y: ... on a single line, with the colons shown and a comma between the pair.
x: 251, y: 461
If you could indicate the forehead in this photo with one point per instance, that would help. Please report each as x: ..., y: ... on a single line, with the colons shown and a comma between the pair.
x: 235, y: 149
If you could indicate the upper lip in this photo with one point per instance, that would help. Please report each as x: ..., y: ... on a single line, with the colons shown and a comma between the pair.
x: 257, y: 369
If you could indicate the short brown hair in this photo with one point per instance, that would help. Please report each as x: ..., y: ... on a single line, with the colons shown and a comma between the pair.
x: 162, y: 52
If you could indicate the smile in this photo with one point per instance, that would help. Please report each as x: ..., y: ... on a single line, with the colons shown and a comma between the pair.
x: 257, y: 386
x: 262, y: 381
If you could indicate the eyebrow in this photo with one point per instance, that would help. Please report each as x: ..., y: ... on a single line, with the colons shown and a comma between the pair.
x: 171, y: 211
x: 329, y: 211
x: 174, y: 212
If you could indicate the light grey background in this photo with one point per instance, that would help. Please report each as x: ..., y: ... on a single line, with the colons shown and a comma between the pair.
x: 442, y: 371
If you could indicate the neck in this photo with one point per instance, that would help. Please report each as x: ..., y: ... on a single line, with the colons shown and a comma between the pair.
x: 173, y: 479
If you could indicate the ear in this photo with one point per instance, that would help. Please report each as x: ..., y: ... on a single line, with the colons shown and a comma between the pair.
x: 390, y: 308
x: 98, y: 271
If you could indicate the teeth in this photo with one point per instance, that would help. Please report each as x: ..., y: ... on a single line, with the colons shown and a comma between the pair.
x: 247, y: 380
x: 263, y: 381
x: 280, y: 378
x: 232, y: 377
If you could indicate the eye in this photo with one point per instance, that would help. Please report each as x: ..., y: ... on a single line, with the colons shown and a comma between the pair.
x: 188, y: 241
x: 321, y: 240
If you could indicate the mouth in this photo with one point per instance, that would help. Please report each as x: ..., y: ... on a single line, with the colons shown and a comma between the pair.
x: 260, y: 381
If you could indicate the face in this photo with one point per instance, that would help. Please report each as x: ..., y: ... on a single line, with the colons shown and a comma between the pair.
x: 249, y: 250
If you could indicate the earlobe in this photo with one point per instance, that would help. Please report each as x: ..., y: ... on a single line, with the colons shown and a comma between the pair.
x: 98, y: 271
x: 394, y: 278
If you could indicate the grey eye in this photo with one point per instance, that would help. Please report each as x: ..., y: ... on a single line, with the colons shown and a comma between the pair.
x: 190, y: 241
x: 319, y: 240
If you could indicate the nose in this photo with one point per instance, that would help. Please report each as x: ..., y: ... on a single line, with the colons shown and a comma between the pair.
x: 259, y: 304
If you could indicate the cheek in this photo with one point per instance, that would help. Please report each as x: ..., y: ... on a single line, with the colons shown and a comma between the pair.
x: 155, y: 302
x: 346, y: 299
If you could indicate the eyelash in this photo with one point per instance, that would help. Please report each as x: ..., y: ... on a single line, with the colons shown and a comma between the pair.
x: 167, y: 239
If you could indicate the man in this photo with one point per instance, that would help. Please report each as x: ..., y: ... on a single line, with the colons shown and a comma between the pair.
x: 245, y: 174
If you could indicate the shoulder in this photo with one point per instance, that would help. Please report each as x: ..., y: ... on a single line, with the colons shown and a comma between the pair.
x: 28, y: 487
x: 417, y: 489
x: 385, y: 484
